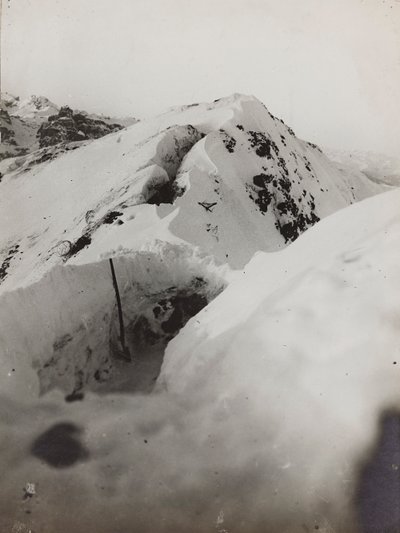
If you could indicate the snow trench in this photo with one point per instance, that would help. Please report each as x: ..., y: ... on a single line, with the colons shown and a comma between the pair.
x: 64, y: 331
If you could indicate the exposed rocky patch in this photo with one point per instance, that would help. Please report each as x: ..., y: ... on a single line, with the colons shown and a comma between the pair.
x: 78, y: 245
x: 315, y: 146
x: 7, y: 134
x: 69, y: 126
x: 111, y: 217
x: 6, y: 262
x: 8, y: 145
x: 68, y: 249
x: 294, y: 223
x: 24, y: 161
x: 261, y: 144
x: 19, y: 122
x: 88, y: 357
x: 170, y: 313
x: 48, y: 154
x: 229, y: 141
x: 22, y: 132
x: 263, y: 196
x: 149, y: 329
x: 294, y: 214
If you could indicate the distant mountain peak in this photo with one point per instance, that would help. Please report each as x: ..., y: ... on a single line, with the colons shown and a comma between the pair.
x: 24, y: 124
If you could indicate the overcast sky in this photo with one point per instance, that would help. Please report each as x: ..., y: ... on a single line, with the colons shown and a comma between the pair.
x: 329, y: 68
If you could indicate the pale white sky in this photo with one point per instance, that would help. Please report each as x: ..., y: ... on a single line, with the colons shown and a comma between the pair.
x: 329, y: 68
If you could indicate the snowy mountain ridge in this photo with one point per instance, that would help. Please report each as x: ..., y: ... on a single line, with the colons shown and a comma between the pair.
x: 22, y: 122
x: 238, y: 172
x: 37, y: 108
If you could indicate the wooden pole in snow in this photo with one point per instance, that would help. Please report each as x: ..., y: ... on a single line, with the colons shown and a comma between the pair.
x: 125, y: 349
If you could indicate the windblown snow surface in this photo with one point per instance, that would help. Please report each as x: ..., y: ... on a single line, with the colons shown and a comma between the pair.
x: 265, y: 358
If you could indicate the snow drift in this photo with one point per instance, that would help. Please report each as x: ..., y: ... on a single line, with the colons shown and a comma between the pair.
x: 268, y: 403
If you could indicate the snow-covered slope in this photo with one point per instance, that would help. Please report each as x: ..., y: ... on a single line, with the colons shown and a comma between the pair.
x: 228, y: 177
x: 268, y: 402
x: 378, y: 168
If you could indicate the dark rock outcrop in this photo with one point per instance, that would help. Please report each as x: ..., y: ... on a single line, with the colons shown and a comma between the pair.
x: 6, y: 129
x: 68, y: 126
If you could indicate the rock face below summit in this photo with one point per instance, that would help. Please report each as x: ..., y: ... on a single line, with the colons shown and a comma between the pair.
x: 19, y: 122
x: 36, y: 122
x: 69, y: 126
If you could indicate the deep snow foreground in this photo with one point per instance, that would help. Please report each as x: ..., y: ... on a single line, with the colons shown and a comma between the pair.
x: 268, y: 402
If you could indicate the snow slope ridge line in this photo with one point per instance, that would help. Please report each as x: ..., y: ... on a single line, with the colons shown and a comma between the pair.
x: 254, y: 175
x: 249, y: 185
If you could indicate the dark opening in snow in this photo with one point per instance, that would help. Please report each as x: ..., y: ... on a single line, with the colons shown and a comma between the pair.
x: 60, y: 446
x: 158, y: 294
x: 158, y: 189
x: 148, y: 332
x: 166, y: 193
